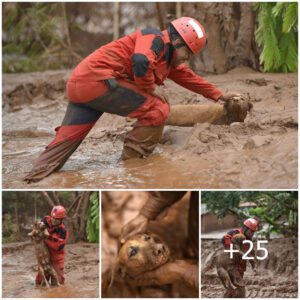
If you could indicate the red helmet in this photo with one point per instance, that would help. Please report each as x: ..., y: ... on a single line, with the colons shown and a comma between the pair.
x: 58, y: 212
x: 192, y: 32
x: 251, y: 224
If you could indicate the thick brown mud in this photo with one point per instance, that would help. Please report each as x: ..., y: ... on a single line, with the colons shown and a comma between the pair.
x: 19, y: 269
x: 277, y: 275
x: 260, y: 153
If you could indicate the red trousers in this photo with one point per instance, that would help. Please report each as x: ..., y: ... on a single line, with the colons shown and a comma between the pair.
x: 58, y: 267
x: 89, y: 100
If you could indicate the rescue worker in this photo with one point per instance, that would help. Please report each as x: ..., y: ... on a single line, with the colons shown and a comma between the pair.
x: 248, y: 229
x: 170, y: 272
x: 56, y: 242
x: 122, y: 78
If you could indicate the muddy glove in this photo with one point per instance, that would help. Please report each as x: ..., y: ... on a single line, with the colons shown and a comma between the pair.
x: 227, y: 97
x: 170, y: 273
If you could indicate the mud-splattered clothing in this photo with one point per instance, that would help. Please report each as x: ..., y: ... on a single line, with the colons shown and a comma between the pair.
x: 144, y: 58
x: 118, y: 78
x: 56, y: 243
x: 226, y: 241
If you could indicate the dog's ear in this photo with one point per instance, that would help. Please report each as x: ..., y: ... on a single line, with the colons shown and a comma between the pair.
x: 118, y: 270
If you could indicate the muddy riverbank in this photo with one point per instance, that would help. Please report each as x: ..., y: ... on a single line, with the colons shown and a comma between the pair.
x: 19, y: 269
x: 260, y: 153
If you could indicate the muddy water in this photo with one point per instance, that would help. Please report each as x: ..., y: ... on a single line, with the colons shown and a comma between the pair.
x: 277, y: 275
x: 261, y: 153
x: 81, y: 273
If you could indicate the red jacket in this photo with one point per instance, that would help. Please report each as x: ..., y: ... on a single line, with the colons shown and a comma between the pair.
x: 145, y: 58
x: 57, y: 240
x: 226, y: 241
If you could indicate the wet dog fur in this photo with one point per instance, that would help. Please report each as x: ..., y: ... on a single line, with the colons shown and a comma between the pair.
x: 227, y: 267
x: 38, y: 235
x: 140, y: 254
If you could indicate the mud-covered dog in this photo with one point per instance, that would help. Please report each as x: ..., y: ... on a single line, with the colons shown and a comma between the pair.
x: 227, y: 268
x: 141, y: 253
x: 38, y: 235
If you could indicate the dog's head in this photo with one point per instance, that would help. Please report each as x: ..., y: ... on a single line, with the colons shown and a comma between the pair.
x: 39, y: 231
x: 237, y: 108
x: 139, y: 254
x: 237, y: 241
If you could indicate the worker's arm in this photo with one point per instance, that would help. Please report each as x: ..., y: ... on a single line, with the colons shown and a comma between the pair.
x: 185, y: 77
x: 148, y: 50
x: 170, y: 273
x: 158, y: 201
x: 155, y: 204
x: 57, y: 240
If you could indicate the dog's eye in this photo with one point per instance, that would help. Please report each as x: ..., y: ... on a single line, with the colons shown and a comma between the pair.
x: 133, y: 252
x: 147, y: 237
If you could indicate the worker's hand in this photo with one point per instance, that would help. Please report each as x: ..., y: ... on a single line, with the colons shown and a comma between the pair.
x: 169, y: 273
x: 227, y: 97
x: 161, y: 93
x: 135, y: 226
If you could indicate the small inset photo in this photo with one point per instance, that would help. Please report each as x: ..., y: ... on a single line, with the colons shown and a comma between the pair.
x: 249, y: 244
x: 150, y: 244
x: 50, y: 244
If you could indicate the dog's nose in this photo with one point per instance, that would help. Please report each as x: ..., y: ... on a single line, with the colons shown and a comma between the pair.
x: 159, y: 249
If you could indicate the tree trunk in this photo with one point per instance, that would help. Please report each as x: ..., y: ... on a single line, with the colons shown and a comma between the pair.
x: 116, y: 28
x: 77, y: 219
x: 178, y: 9
x: 230, y: 30
x: 48, y: 199
x: 18, y: 233
x: 35, y: 208
x: 83, y: 214
x: 55, y: 198
x: 160, y: 17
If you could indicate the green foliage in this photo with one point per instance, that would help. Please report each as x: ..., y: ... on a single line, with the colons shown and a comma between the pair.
x: 278, y: 211
x: 9, y: 229
x: 221, y: 203
x: 92, y: 227
x: 33, y: 38
x: 277, y: 34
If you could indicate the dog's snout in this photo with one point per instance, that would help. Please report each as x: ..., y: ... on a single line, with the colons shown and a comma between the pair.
x: 159, y: 249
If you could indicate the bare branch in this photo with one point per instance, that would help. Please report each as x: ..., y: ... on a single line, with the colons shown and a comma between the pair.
x: 48, y: 199
x: 73, y: 204
x: 56, y: 199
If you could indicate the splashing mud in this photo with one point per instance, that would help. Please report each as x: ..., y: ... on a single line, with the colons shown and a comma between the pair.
x: 277, y: 274
x: 260, y: 153
x: 19, y: 269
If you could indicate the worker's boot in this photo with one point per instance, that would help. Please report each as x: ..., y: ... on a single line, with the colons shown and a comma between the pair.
x: 51, y: 160
x: 141, y: 141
